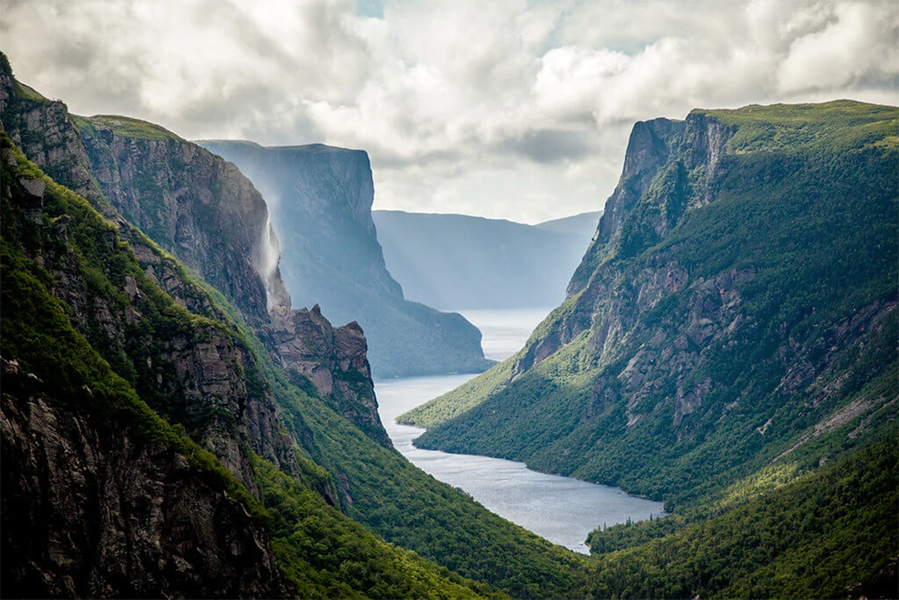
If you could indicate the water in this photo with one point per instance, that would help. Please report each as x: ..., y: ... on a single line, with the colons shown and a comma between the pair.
x: 560, y: 509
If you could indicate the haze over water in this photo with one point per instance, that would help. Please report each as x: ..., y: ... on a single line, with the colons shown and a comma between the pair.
x: 560, y: 509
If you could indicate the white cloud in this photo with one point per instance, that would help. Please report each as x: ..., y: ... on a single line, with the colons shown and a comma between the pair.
x: 518, y: 108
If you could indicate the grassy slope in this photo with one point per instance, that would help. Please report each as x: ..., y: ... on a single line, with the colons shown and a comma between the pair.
x: 125, y: 127
x: 825, y: 536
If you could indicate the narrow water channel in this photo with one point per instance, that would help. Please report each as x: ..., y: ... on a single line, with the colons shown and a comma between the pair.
x: 560, y: 509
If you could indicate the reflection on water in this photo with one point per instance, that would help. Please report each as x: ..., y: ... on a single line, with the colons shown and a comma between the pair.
x: 560, y: 509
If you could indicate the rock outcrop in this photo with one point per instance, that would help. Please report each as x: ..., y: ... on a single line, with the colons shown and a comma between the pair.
x: 44, y: 130
x: 334, y: 361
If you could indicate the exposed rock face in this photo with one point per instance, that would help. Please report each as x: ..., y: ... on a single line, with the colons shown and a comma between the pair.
x: 659, y: 153
x: 321, y: 200
x: 89, y: 510
x: 196, y: 375
x: 45, y: 132
x: 196, y: 206
x: 204, y: 211
x: 304, y: 338
x: 91, y: 514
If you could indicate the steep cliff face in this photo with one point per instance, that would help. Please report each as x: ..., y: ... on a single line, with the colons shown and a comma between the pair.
x: 204, y: 211
x: 321, y: 201
x: 91, y: 514
x: 737, y: 304
x: 101, y: 497
x: 343, y: 378
x: 192, y: 204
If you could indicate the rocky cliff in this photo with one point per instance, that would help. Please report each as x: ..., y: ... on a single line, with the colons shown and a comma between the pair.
x: 101, y: 497
x: 205, y: 212
x: 45, y: 132
x: 736, y: 305
x: 321, y: 200
x: 187, y: 200
x: 192, y: 204
x: 92, y: 514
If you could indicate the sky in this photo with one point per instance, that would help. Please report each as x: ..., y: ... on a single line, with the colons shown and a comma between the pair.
x: 517, y: 109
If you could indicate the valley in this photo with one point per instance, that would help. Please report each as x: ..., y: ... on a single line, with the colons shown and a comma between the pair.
x: 214, y: 384
x: 560, y: 509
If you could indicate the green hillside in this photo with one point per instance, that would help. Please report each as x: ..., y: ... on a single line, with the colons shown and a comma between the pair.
x: 761, y: 317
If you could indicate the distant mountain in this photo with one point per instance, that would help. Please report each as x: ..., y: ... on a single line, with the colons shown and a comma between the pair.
x: 320, y: 201
x: 462, y: 262
x: 581, y: 225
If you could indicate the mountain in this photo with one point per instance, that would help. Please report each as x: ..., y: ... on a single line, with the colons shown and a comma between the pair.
x: 463, y: 262
x: 321, y: 199
x: 205, y: 212
x: 581, y: 225
x: 732, y: 329
x: 155, y: 443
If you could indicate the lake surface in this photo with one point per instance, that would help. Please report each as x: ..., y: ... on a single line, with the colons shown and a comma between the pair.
x: 560, y: 509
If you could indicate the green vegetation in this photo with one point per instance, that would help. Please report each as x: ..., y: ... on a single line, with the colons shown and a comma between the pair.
x: 460, y: 400
x: 124, y: 127
x: 326, y: 554
x: 827, y: 535
x: 770, y: 356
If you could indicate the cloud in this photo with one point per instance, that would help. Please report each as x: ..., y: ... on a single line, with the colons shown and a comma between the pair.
x: 549, y: 145
x: 514, y: 108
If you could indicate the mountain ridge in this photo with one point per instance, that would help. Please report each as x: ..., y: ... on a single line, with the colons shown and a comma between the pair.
x: 466, y: 262
x: 678, y: 291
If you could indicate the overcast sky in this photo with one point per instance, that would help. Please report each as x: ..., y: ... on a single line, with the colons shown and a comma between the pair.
x: 517, y: 110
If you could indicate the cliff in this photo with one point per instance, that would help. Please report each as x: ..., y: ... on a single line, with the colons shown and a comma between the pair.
x: 93, y: 479
x: 205, y: 212
x: 89, y: 513
x: 734, y: 311
x: 102, y: 496
x: 321, y: 199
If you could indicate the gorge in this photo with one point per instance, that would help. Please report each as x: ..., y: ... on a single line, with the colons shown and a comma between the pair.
x: 175, y: 424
